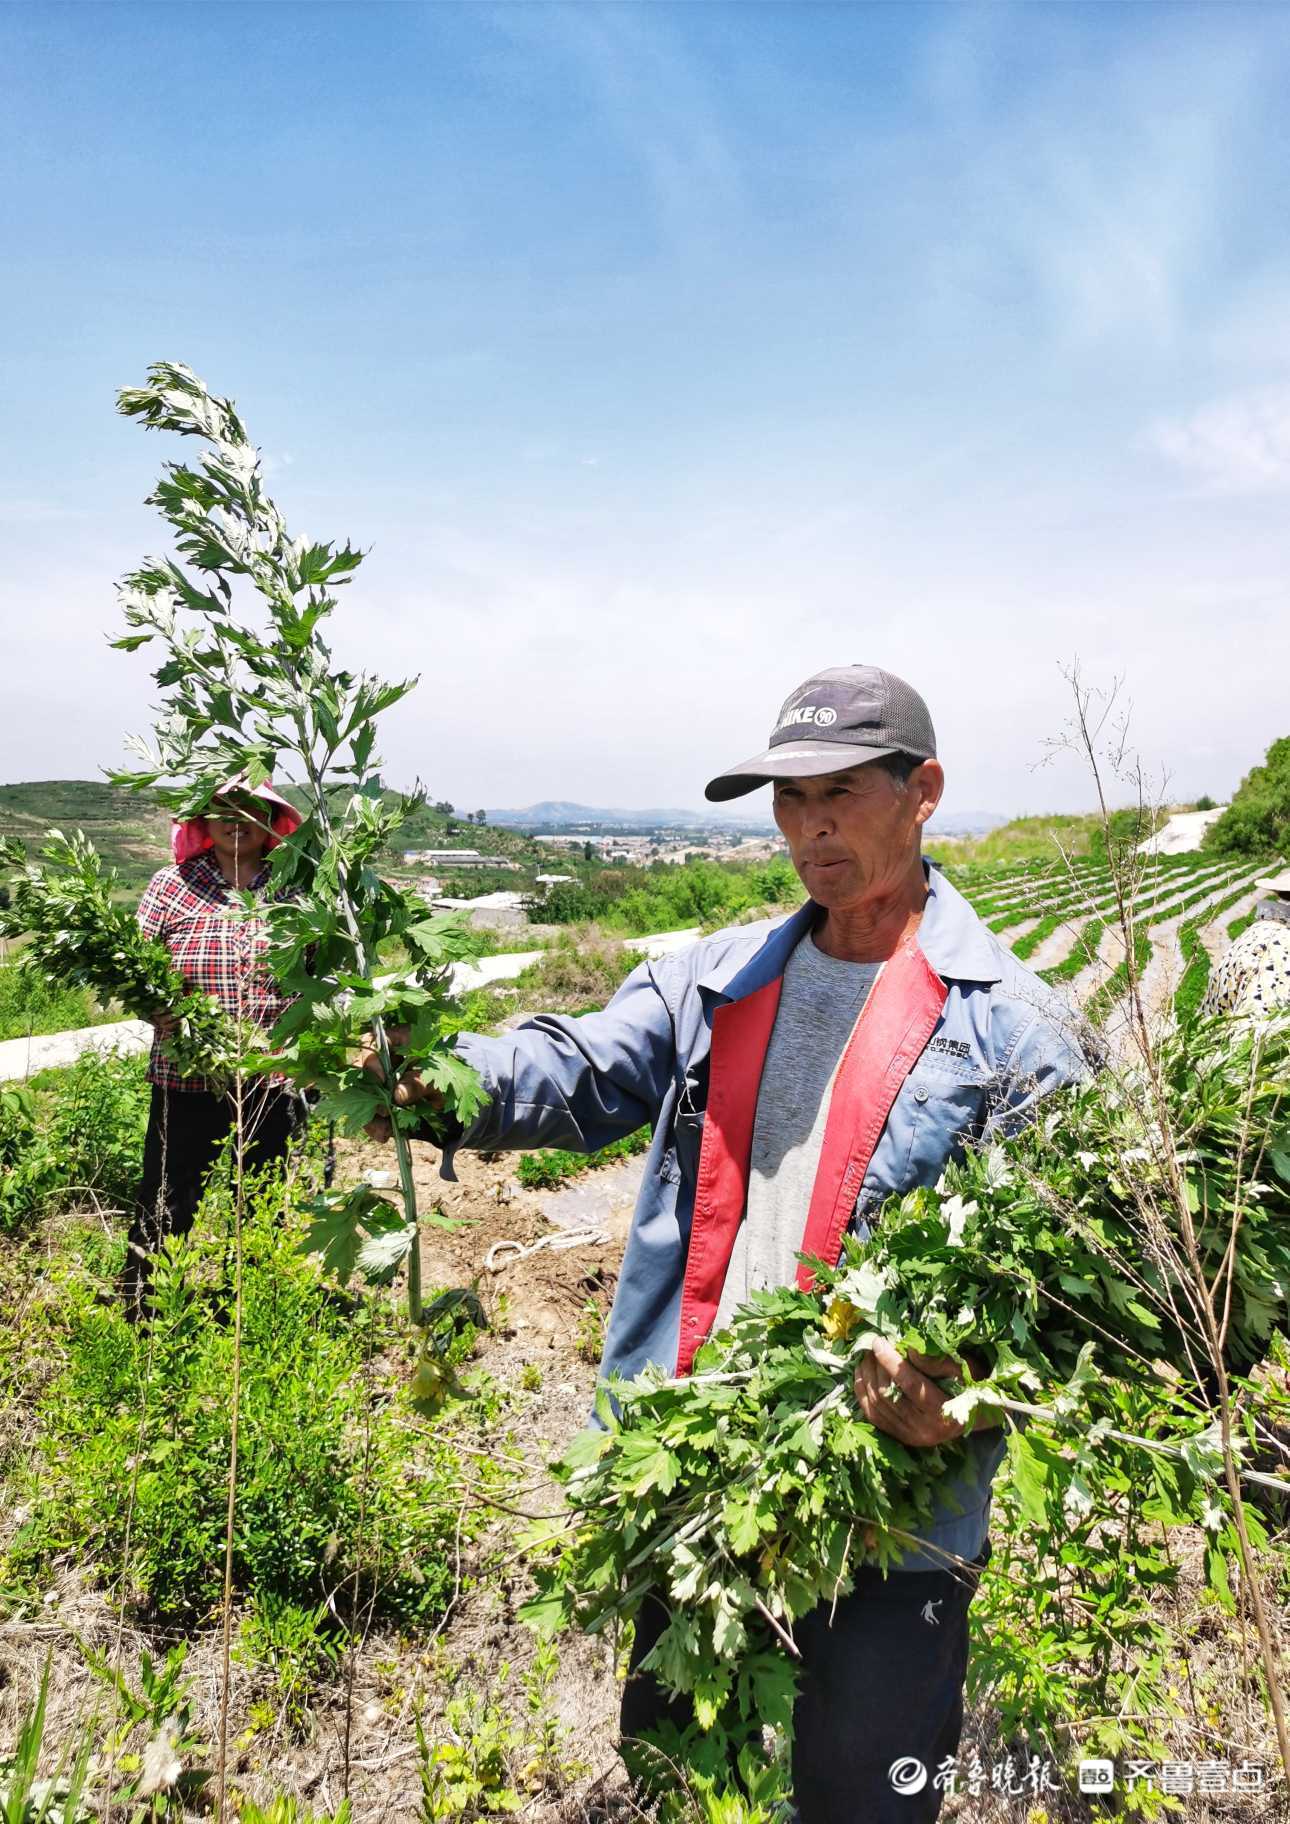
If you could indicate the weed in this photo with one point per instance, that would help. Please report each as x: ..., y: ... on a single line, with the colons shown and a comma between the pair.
x: 546, y: 1170
x: 72, y: 1136
x: 134, y: 1432
x: 589, y: 1337
x: 578, y: 974
x: 488, y: 1760
x: 160, y: 1777
x: 162, y: 1774
x: 30, y: 1004
x: 299, y: 1644
x: 24, y: 1799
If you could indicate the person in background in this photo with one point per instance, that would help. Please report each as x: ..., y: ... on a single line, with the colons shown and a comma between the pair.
x: 1253, y: 978
x: 193, y: 907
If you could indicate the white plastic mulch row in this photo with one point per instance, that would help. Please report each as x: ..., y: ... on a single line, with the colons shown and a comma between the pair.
x: 22, y: 1058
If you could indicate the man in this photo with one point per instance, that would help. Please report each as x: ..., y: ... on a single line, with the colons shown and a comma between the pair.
x: 795, y: 1074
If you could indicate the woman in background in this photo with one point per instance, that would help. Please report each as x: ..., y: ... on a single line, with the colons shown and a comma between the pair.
x: 1252, y: 979
x: 194, y: 908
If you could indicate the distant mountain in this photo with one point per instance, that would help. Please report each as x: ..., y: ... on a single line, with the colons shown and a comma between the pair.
x: 558, y: 813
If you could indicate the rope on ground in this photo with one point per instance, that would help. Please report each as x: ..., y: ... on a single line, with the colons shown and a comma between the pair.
x: 506, y: 1253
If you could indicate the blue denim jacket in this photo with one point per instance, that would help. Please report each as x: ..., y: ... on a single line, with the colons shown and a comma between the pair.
x: 1004, y: 1040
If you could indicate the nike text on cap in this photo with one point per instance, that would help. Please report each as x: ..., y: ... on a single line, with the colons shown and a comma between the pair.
x: 838, y: 718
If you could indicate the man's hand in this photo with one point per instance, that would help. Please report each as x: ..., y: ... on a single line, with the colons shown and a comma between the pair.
x: 163, y: 1024
x: 914, y: 1413
x: 409, y: 1089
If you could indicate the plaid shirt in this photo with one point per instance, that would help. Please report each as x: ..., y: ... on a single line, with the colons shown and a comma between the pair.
x: 193, y: 910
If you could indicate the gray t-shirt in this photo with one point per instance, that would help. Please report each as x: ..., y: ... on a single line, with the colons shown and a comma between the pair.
x: 819, y: 1004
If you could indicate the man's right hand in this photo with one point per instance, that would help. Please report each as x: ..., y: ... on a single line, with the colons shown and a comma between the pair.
x: 408, y: 1091
x: 163, y: 1024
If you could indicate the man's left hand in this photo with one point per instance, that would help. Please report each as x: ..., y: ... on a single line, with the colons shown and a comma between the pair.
x: 914, y: 1414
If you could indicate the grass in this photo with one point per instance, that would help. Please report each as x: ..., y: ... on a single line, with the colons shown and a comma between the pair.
x: 554, y: 1166
x: 343, y: 1498
x: 582, y: 969
x: 30, y: 1005
x: 1042, y: 839
x: 72, y: 1138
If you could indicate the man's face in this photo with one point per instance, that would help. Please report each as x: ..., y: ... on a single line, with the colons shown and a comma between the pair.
x: 854, y: 835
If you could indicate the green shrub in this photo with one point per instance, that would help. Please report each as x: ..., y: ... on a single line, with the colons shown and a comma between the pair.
x: 72, y: 1136
x: 670, y: 898
x: 577, y: 974
x: 1257, y: 821
x: 96, y: 1124
x: 30, y: 1004
x: 130, y: 1469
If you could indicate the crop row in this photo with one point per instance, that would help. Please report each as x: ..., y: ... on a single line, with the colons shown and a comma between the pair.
x: 1164, y: 892
x: 1195, y: 954
x: 1107, y: 992
x: 1084, y: 948
x: 1071, y: 888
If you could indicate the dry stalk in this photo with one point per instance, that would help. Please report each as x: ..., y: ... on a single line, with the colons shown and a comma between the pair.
x: 1186, y: 1270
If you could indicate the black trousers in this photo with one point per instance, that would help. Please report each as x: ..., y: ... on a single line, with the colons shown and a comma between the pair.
x: 882, y: 1685
x: 186, y: 1129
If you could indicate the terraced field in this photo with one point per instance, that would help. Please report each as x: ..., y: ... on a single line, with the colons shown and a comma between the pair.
x: 1064, y: 920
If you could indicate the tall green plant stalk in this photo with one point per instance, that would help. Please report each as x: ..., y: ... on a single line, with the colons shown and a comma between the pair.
x: 250, y: 690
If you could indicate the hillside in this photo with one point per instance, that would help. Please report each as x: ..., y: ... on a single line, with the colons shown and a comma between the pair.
x: 1043, y: 838
x: 131, y: 831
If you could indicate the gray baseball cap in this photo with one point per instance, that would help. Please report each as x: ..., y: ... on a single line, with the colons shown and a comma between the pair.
x: 838, y: 718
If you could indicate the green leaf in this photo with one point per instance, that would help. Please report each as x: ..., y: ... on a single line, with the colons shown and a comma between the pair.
x: 743, y: 1524
x: 381, y: 1255
x: 729, y: 1636
x: 1203, y: 1453
x: 547, y: 1613
x: 1029, y: 1475
x: 710, y: 1694
x: 352, y: 1106
x: 648, y: 1464
x: 588, y: 1446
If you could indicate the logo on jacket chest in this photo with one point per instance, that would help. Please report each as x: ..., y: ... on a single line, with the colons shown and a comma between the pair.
x: 951, y: 1048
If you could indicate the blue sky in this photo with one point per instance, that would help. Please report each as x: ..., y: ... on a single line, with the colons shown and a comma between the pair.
x: 664, y: 354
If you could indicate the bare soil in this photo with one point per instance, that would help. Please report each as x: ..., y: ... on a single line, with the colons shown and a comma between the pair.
x: 360, y: 1736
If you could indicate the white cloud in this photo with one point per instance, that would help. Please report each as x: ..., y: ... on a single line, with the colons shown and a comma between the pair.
x: 1236, y: 445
